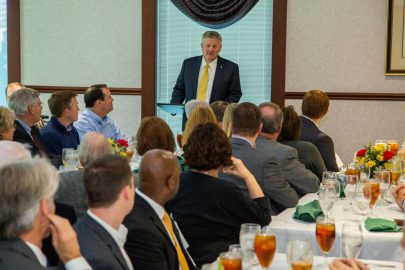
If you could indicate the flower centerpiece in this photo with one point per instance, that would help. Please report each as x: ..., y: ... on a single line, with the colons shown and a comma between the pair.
x: 120, y: 146
x: 374, y: 157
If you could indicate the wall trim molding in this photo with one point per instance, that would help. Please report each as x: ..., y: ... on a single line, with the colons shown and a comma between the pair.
x: 80, y: 89
x: 353, y: 96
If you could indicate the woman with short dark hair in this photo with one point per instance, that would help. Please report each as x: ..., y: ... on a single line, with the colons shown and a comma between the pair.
x: 210, y: 211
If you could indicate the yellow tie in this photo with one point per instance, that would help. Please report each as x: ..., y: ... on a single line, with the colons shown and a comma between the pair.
x: 202, y: 88
x: 180, y: 255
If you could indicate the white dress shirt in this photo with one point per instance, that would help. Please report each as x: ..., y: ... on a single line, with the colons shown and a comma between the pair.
x: 120, y: 236
x: 211, y: 75
x: 75, y: 264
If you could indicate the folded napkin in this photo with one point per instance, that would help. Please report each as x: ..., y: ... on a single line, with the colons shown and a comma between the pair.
x: 308, y: 212
x: 381, y: 225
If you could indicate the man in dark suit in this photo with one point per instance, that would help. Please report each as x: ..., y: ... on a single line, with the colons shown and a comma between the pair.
x: 246, y: 121
x: 301, y: 179
x: 154, y: 242
x: 28, y: 107
x: 25, y: 222
x: 110, y: 192
x: 208, y: 77
x: 315, y: 105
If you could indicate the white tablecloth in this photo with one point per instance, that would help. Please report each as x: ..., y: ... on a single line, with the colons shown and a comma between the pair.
x: 376, y: 245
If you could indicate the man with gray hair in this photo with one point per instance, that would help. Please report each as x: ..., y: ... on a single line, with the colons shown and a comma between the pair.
x: 25, y: 222
x: 301, y: 179
x: 71, y: 190
x: 11, y: 151
x: 27, y: 107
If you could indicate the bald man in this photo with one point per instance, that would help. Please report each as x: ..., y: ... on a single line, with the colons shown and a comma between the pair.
x: 11, y: 88
x: 153, y: 240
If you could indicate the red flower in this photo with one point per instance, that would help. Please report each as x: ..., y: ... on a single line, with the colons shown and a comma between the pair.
x: 361, y: 153
x: 122, y: 142
x: 388, y: 155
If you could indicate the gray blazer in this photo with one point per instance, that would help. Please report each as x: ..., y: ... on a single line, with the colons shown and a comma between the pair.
x: 71, y: 191
x: 16, y: 255
x: 268, y: 174
x: 308, y: 155
x: 97, y: 246
x: 301, y: 179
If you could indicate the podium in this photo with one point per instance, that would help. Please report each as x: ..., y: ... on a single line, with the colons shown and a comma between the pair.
x: 173, y: 109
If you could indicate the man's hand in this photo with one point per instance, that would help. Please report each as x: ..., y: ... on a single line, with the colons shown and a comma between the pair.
x: 347, y: 264
x: 64, y: 238
x: 399, y: 195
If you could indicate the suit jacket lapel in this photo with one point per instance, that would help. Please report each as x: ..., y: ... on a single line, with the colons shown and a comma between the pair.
x: 217, y: 79
x: 22, y: 248
x: 196, y: 72
x: 106, y: 238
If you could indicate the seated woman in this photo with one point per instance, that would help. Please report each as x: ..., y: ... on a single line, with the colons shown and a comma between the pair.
x: 308, y: 154
x: 210, y: 211
x: 227, y: 122
x: 155, y: 133
x: 200, y: 115
x: 7, y: 127
x: 315, y: 105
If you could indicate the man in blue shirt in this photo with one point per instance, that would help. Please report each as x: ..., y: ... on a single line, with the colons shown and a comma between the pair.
x: 60, y: 133
x: 99, y: 103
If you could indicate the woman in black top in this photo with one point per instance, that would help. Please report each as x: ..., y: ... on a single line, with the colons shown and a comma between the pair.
x: 210, y: 211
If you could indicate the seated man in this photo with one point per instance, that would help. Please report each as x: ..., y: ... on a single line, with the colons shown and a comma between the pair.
x: 154, y: 242
x: 110, y: 192
x: 11, y: 88
x: 71, y: 190
x: 263, y: 165
x: 294, y: 172
x: 99, y: 103
x: 25, y: 222
x: 60, y: 133
x: 27, y: 107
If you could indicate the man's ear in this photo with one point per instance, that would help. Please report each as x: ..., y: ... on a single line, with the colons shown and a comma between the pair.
x: 260, y: 128
x: 171, y: 182
x: 44, y: 207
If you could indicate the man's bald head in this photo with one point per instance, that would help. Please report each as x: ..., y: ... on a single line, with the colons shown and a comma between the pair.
x: 11, y: 88
x: 93, y: 146
x: 159, y: 175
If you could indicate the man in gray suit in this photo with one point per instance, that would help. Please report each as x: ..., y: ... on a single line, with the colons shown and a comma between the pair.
x: 24, y: 222
x: 71, y: 190
x: 301, y: 179
x: 109, y: 185
x: 246, y: 127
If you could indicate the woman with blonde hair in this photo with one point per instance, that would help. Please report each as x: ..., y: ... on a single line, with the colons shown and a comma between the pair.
x: 7, y: 128
x: 227, y: 122
x: 198, y: 116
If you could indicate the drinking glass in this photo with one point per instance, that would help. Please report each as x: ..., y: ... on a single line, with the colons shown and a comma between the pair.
x: 327, y: 197
x: 395, y: 166
x: 352, y: 239
x: 383, y: 177
x: 325, y: 235
x: 350, y: 187
x: 235, y: 247
x: 332, y: 178
x: 393, y: 145
x: 247, y: 235
x: 265, y: 247
x: 179, y: 137
x: 402, y: 151
x: 299, y: 254
x: 364, y: 172
x: 375, y: 192
x: 131, y: 148
x: 231, y: 260
x: 362, y: 197
x: 70, y: 158
x: 382, y: 143
x: 353, y: 169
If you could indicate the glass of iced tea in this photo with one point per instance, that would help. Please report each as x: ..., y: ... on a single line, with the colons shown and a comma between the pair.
x: 393, y: 144
x: 395, y: 166
x: 325, y: 235
x: 179, y: 138
x: 383, y: 177
x: 375, y: 192
x: 231, y: 260
x: 265, y: 247
x: 299, y: 254
x: 353, y: 169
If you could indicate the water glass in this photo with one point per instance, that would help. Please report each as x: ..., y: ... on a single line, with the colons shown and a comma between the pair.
x: 70, y: 158
x: 247, y: 236
x: 265, y: 247
x: 352, y: 239
x: 299, y: 254
x: 350, y: 186
x: 327, y: 197
x: 383, y: 177
x: 362, y: 198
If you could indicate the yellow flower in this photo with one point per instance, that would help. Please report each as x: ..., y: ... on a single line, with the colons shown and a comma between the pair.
x: 362, y: 159
x: 370, y: 164
x: 123, y: 154
x: 379, y: 147
x: 380, y: 158
x: 110, y: 141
